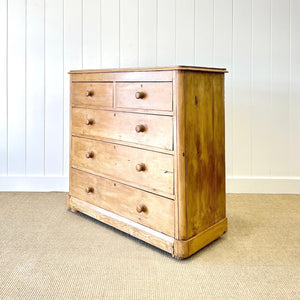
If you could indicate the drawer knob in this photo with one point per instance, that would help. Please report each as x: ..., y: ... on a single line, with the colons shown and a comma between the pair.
x: 140, y: 167
x: 141, y: 208
x: 89, y: 154
x: 140, y: 128
x: 89, y: 190
x: 140, y: 95
x: 89, y: 93
x: 89, y: 121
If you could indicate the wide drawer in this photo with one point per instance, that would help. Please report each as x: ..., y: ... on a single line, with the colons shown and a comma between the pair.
x: 151, y: 130
x: 142, y: 168
x: 144, y: 95
x: 142, y: 207
x: 92, y: 94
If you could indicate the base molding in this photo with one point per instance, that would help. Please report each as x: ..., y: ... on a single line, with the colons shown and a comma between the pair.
x: 185, y: 248
x: 263, y: 185
x: 178, y: 248
x: 34, y: 183
x: 139, y: 231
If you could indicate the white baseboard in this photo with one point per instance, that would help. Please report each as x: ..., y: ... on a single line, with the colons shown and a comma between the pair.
x: 34, y: 183
x: 263, y: 185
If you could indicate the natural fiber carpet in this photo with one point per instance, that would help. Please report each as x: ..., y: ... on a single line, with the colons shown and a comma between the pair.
x: 48, y: 252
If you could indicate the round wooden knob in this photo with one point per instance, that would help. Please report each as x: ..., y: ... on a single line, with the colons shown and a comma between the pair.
x: 140, y: 167
x: 89, y: 93
x: 89, y: 154
x: 140, y: 128
x: 89, y: 189
x: 140, y: 95
x: 141, y: 208
x: 89, y: 121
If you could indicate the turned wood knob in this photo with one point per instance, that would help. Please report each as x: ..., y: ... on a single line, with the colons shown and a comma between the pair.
x: 140, y: 128
x: 89, y: 154
x: 89, y: 121
x: 140, y: 167
x: 140, y: 95
x: 89, y: 189
x: 89, y: 93
x: 141, y: 208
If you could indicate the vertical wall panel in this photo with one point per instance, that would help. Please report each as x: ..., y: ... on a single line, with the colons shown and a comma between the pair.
x: 91, y: 34
x: 54, y: 78
x: 257, y: 41
x: 279, y: 115
x: 110, y: 33
x: 204, y: 32
x: 241, y: 76
x: 147, y: 32
x: 16, y: 86
x: 166, y: 33
x: 72, y: 61
x: 129, y: 33
x: 3, y: 87
x: 295, y: 90
x: 35, y: 88
x: 185, y: 32
x: 261, y: 100
x: 222, y: 57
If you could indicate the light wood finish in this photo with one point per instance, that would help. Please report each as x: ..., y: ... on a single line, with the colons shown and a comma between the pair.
x: 92, y: 94
x: 142, y: 168
x: 199, y: 144
x: 185, y: 248
x: 219, y: 147
x: 158, y: 212
x: 96, y: 213
x: 144, y: 95
x: 158, y: 76
x: 156, y: 157
x: 122, y: 126
x: 130, y: 70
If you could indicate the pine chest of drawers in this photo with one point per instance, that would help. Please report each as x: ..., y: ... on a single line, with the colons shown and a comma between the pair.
x: 147, y: 153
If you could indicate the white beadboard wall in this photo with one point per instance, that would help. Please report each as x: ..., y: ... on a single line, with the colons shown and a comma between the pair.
x: 258, y: 41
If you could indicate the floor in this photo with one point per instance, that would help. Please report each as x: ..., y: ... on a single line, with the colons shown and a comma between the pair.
x: 48, y: 252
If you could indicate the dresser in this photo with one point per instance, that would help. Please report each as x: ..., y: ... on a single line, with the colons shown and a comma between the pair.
x: 147, y: 153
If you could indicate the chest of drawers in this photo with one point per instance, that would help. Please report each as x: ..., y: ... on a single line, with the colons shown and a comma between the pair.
x: 147, y: 153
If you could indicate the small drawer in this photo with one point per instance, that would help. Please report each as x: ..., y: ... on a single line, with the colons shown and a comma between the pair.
x: 144, y: 95
x: 150, y: 130
x: 141, y: 168
x: 142, y: 207
x: 98, y: 94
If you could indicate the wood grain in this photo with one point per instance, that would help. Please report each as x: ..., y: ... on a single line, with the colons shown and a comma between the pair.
x: 101, y: 94
x: 123, y: 200
x: 219, y: 146
x: 199, y: 144
x: 184, y: 249
x: 180, y: 155
x: 162, y: 140
x: 94, y: 212
x: 121, y: 126
x: 153, y: 69
x: 98, y: 75
x: 158, y: 95
x: 120, y: 162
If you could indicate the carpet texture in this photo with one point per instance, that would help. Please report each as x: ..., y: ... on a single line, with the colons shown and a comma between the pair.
x: 48, y: 252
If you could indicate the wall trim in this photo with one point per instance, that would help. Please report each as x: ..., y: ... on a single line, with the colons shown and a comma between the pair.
x: 257, y: 185
x: 34, y: 183
x: 263, y: 185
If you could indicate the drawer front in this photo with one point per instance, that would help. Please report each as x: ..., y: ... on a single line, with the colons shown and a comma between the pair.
x: 92, y: 94
x: 139, y: 206
x: 142, y: 168
x: 144, y: 95
x: 150, y: 130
